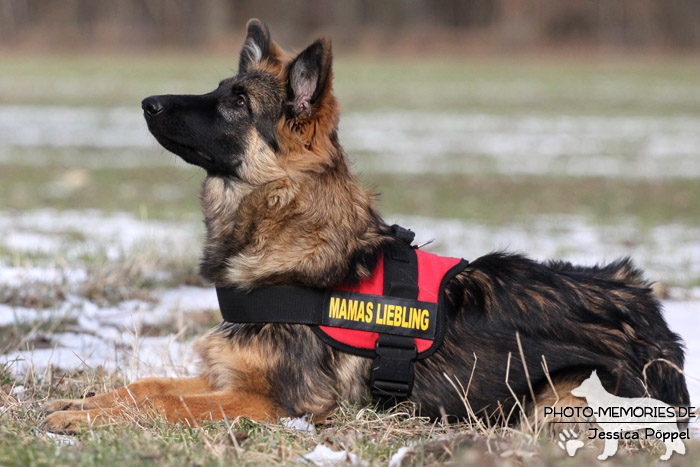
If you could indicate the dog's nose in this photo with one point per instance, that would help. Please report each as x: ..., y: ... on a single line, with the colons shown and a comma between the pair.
x: 152, y: 105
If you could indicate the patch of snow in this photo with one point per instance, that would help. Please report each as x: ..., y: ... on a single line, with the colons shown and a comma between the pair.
x: 667, y: 253
x: 17, y: 276
x: 59, y: 440
x: 325, y: 456
x: 188, y: 298
x: 28, y: 125
x: 299, y: 424
x: 113, y: 234
x: 171, y: 305
x: 14, y: 315
x: 616, y: 146
x: 128, y: 355
x: 410, y: 141
x: 10, y: 316
x: 398, y: 456
x: 109, y: 336
x: 32, y: 241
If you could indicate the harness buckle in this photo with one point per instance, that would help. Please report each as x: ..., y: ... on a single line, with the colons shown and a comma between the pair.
x: 392, y: 369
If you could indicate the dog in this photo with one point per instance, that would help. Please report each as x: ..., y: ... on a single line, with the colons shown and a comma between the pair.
x: 282, y: 208
x: 613, y: 427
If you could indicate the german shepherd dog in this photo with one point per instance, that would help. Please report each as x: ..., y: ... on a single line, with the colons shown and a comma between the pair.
x: 282, y: 207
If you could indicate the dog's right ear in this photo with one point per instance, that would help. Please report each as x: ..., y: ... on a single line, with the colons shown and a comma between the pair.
x: 309, y: 78
x: 258, y: 46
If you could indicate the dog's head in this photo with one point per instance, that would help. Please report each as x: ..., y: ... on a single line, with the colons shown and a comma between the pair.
x: 589, y: 387
x: 268, y: 120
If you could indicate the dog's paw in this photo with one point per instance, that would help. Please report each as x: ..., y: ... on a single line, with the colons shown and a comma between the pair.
x: 67, y: 422
x: 568, y: 441
x: 59, y: 405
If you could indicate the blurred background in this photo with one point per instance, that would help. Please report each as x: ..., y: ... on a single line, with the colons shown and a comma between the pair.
x: 561, y: 128
x: 449, y: 25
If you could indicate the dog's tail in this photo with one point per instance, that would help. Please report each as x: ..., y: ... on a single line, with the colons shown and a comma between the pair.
x: 664, y: 377
x: 648, y: 353
x: 612, y: 322
x: 659, y: 351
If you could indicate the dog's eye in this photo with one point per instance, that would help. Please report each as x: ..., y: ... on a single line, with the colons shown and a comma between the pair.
x: 240, y: 101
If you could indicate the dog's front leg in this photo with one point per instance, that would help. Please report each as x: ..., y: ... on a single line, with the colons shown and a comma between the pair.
x: 609, y: 449
x: 216, y: 406
x: 190, y: 409
x: 176, y: 399
x: 132, y: 394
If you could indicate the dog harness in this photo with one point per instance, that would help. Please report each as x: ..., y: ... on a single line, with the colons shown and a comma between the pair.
x: 395, y: 316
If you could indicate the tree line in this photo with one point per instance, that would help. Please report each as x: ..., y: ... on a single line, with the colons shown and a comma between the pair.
x: 365, y: 24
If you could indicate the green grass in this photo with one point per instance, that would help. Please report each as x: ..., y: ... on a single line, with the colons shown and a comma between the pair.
x: 172, y: 193
x: 627, y: 85
x: 160, y: 192
x: 498, y: 199
x: 374, y: 436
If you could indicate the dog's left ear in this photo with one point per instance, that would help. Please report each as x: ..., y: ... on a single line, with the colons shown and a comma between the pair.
x: 258, y: 47
x: 309, y: 78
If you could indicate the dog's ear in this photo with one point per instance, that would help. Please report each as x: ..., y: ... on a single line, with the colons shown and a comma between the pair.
x: 309, y: 78
x: 257, y: 47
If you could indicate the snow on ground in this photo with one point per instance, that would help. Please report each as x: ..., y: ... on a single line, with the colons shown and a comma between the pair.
x: 103, y: 127
x: 111, y: 234
x: 668, y: 253
x: 611, y: 146
x: 16, y: 277
x: 413, y: 141
x: 108, y: 335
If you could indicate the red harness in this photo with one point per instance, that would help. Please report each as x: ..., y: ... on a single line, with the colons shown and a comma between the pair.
x: 396, y: 316
x: 431, y: 271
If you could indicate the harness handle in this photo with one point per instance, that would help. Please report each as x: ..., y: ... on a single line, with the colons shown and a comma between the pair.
x: 407, y: 235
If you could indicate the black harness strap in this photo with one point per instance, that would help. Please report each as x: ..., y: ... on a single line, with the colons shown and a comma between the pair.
x: 281, y: 304
x: 392, y: 370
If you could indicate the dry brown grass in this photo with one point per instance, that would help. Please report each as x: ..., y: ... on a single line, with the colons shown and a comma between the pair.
x: 373, y: 435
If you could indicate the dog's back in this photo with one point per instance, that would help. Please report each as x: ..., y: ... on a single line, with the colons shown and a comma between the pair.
x: 569, y: 320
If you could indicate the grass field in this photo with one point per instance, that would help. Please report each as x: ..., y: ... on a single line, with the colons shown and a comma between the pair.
x: 645, y: 104
x: 581, y: 159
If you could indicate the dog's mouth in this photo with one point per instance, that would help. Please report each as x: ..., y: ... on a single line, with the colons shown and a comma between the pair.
x: 180, y: 140
x: 194, y: 156
x: 186, y: 152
